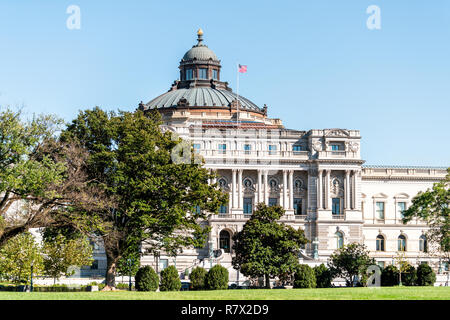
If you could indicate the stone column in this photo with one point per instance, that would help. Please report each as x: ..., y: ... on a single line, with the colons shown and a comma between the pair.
x: 285, y: 203
x: 233, y: 189
x: 327, y: 190
x: 353, y: 189
x: 347, y: 189
x: 319, y: 190
x: 260, y: 197
x: 266, y: 187
x: 291, y: 189
x: 241, y: 193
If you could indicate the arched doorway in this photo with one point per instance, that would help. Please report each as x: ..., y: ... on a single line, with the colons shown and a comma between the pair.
x: 224, y: 241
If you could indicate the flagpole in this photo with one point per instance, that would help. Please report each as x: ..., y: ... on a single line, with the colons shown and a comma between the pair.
x: 237, y: 94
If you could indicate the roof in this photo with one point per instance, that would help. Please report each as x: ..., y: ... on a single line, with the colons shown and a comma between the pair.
x: 402, y: 167
x: 240, y: 124
x: 201, y: 97
x: 201, y: 52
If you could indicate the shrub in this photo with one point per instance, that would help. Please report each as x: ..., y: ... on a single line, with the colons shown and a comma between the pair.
x: 323, y: 276
x: 146, y: 279
x: 170, y: 280
x: 217, y: 278
x: 304, y: 277
x: 390, y: 276
x: 197, y: 277
x: 409, y: 276
x: 425, y: 275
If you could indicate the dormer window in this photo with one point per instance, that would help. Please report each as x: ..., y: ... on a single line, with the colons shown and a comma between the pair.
x: 203, y: 73
x: 189, y: 75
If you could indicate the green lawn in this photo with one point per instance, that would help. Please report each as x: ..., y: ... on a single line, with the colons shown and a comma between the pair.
x: 389, y: 293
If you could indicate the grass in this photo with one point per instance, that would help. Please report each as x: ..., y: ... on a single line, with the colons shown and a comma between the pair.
x: 385, y: 293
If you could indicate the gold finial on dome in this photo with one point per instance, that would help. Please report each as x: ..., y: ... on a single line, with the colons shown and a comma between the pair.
x: 200, y: 32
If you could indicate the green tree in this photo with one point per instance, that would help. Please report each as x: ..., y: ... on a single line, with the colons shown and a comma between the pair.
x: 170, y: 280
x: 425, y: 275
x: 304, y: 277
x: 146, y: 279
x: 390, y: 276
x: 432, y: 206
x: 18, y: 255
x: 350, y: 262
x: 402, y: 265
x: 323, y: 276
x: 409, y: 276
x: 61, y: 253
x: 266, y: 248
x: 217, y: 278
x: 154, y: 197
x: 197, y: 277
x: 27, y: 174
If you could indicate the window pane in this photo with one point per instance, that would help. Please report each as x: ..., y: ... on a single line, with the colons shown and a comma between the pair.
x: 203, y: 73
x: 401, y: 206
x: 380, y: 210
x: 248, y: 205
x: 336, y: 206
x: 215, y: 74
x: 189, y: 74
x: 297, y: 206
x: 273, y: 202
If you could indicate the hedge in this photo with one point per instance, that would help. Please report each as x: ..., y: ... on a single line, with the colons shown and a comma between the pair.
x: 304, y: 277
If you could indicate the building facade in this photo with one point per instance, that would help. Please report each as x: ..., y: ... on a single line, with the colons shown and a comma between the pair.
x: 317, y: 175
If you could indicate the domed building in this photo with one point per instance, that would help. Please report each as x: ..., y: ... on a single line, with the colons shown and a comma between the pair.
x: 316, y: 175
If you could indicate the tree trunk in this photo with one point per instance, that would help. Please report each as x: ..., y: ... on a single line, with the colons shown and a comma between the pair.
x: 111, y: 263
x: 267, y: 281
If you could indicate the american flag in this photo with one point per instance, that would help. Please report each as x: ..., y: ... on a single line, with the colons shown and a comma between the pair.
x: 242, y: 69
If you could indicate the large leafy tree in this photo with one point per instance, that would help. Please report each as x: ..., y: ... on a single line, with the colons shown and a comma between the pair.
x: 265, y: 247
x: 39, y: 176
x: 153, y: 199
x: 433, y: 206
x: 349, y: 262
x: 19, y: 256
x: 62, y: 254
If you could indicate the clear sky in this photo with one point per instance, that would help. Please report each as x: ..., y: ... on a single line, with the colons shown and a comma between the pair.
x: 314, y: 63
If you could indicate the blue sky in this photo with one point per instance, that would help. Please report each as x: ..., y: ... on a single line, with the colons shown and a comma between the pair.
x: 314, y: 63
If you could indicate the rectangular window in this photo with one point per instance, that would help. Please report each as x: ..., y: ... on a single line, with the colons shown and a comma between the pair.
x: 336, y: 206
x: 247, y: 148
x: 297, y: 148
x: 297, y: 206
x: 381, y: 264
x: 272, y: 149
x: 214, y: 74
x: 222, y: 148
x: 337, y: 147
x: 273, y: 202
x: 401, y: 207
x: 223, y: 209
x: 196, y: 147
x: 189, y: 75
x: 203, y: 73
x: 380, y: 210
x: 248, y: 205
x: 163, y: 263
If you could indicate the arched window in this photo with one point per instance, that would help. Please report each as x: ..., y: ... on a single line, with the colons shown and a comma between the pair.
x: 423, y: 244
x: 224, y: 241
x: 339, y: 240
x: 380, y: 243
x: 401, y: 243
